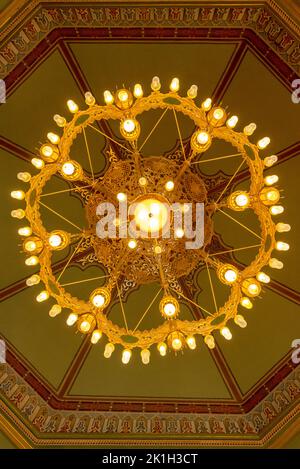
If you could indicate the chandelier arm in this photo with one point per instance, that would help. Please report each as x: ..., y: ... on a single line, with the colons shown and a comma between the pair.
x: 216, y: 159
x: 234, y: 250
x: 88, y: 153
x: 83, y: 281
x: 191, y: 301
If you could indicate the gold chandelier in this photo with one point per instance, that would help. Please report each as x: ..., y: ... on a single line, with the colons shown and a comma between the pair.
x: 152, y: 183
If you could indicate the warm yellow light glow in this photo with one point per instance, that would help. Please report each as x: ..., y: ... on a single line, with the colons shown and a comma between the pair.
x: 126, y: 355
x: 30, y: 246
x: 53, y: 138
x: 192, y: 92
x: 59, y: 120
x: 210, y: 341
x: 145, y: 355
x: 251, y: 287
x: 270, y: 180
x: 202, y: 138
x: 230, y: 275
x: 276, y: 209
x: 38, y: 163
x: 270, y: 160
x: 18, y: 213
x: 25, y: 177
x: 227, y: 273
x: 239, y: 200
x: 218, y: 113
x: 157, y: 249
x: 108, y: 350
x: 273, y: 195
x: 72, y: 318
x: 250, y: 129
x: 246, y: 302
x: 226, y: 333
x: 100, y: 297
x: 191, y: 342
x: 169, y: 186
x: 132, y: 244
x: 206, y: 105
x: 42, y: 296
x: 68, y: 169
x: 54, y: 311
x: 240, y: 321
x: 123, y: 95
x: 155, y: 84
x: 263, y: 143
x: 275, y: 263
x: 33, y: 280
x: 174, y: 85
x: 108, y: 97
x: 281, y: 246
x: 32, y: 260
x: 98, y: 300
x: 138, y: 90
x: 283, y: 227
x: 179, y: 233
x: 96, y: 336
x: 72, y: 106
x: 55, y: 240
x: 46, y: 150
x: 242, y: 200
x: 232, y: 122
x: 263, y: 278
x: 142, y: 181
x: 89, y: 99
x: 84, y: 326
x: 162, y: 348
x: 19, y: 195
x: 121, y: 197
x: 169, y: 307
x: 150, y: 215
x: 25, y: 231
x: 176, y: 343
x: 269, y: 195
x: 129, y: 125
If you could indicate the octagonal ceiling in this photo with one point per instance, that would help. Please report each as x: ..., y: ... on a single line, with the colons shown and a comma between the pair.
x: 58, y: 389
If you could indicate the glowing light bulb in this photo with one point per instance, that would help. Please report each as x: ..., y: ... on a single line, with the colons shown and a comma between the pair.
x: 129, y: 125
x: 283, y: 227
x: 169, y: 309
x: 121, y: 197
x: 72, y: 106
x: 206, y: 105
x: 174, y: 85
x: 138, y: 91
x: 123, y: 96
x: 30, y: 246
x: 232, y: 122
x: 96, y: 336
x: 253, y: 289
x: 162, y: 348
x: 19, y: 213
x: 281, y: 246
x: 55, y: 240
x: 72, y: 318
x: 47, y: 151
x: 276, y: 209
x: 192, y: 92
x: 230, y: 275
x: 108, y: 350
x: 68, y: 169
x: 191, y: 342
x: 25, y: 177
x: 53, y: 138
x: 108, y: 97
x: 98, y: 300
x: 270, y: 180
x: 202, y: 138
x: 54, y: 311
x: 42, y: 296
x: 33, y: 280
x: 263, y: 143
x: 59, y: 120
x: 218, y: 113
x: 126, y: 355
x: 250, y: 129
x: 157, y: 249
x: 210, y: 341
x: 275, y: 263
x: 226, y: 333
x: 142, y: 181
x: 242, y: 200
x: 240, y: 321
x: 25, y: 231
x: 273, y: 195
x: 263, y: 278
x: 177, y: 343
x: 270, y: 160
x: 132, y: 244
x: 85, y: 326
x: 169, y: 186
x: 246, y: 302
x: 89, y: 99
x: 179, y: 233
x: 32, y: 260
x: 19, y: 195
x: 38, y: 163
x: 145, y: 355
x: 155, y: 84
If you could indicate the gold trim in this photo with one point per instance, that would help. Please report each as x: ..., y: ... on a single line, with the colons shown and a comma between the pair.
x: 13, y: 434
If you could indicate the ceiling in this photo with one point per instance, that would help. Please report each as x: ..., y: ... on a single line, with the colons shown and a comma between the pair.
x: 56, y: 388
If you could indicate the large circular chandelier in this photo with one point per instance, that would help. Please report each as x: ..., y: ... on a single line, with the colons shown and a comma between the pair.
x: 157, y: 250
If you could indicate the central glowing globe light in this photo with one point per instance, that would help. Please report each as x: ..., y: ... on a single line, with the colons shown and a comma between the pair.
x: 151, y: 215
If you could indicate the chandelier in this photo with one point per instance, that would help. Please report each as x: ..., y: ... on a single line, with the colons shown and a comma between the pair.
x: 150, y: 187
